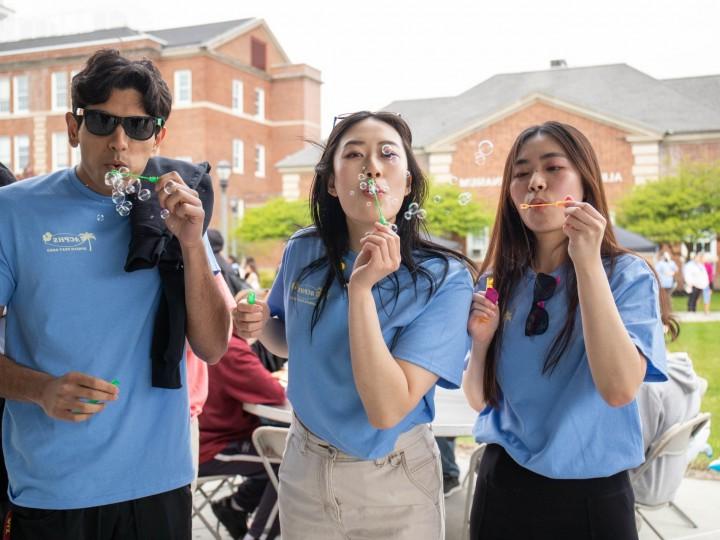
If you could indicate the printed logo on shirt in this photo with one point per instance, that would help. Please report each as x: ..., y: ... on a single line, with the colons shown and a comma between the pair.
x: 64, y: 242
x: 306, y: 295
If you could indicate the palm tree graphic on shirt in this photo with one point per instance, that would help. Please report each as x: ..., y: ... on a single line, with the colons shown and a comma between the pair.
x: 87, y: 237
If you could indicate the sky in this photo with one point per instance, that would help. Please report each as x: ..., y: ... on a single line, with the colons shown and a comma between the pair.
x: 374, y: 52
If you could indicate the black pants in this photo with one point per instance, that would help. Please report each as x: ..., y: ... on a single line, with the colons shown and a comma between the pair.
x: 693, y: 298
x: 512, y: 502
x: 165, y: 516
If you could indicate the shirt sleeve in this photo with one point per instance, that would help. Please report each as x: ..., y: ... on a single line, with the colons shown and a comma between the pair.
x: 247, y: 380
x: 437, y: 339
x: 636, y: 294
x: 276, y: 299
x: 7, y: 273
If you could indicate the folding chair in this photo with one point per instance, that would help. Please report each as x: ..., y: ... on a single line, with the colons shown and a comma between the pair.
x: 207, y: 488
x: 673, y: 442
x: 269, y: 443
x: 469, y: 484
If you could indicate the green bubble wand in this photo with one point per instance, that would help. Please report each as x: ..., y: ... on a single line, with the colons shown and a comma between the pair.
x: 372, y: 188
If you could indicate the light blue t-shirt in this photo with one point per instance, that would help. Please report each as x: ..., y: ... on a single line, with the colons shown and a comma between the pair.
x: 557, y: 424
x: 72, y: 307
x: 429, y: 333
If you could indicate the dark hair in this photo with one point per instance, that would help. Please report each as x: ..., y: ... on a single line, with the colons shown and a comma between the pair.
x: 513, y: 246
x: 107, y: 70
x: 250, y: 261
x: 331, y: 226
x: 6, y: 177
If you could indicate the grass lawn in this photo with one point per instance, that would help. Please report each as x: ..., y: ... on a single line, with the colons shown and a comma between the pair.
x: 702, y: 342
x: 679, y: 303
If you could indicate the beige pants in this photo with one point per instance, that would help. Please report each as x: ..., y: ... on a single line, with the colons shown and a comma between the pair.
x: 327, y: 494
x: 195, y: 448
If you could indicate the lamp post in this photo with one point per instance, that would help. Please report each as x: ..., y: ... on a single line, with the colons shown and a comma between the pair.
x: 223, y: 172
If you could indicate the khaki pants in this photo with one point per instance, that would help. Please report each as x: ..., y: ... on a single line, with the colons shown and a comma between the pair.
x: 327, y: 494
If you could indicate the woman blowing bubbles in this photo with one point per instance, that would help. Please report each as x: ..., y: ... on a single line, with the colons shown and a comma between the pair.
x: 372, y: 320
x: 556, y: 364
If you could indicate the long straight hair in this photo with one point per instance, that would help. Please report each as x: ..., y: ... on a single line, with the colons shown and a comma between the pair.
x: 331, y: 225
x: 513, y: 247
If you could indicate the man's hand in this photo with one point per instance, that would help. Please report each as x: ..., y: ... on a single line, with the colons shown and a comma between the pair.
x: 68, y: 397
x: 186, y: 216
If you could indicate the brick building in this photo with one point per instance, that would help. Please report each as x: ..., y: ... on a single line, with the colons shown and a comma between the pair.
x: 236, y: 97
x: 641, y: 127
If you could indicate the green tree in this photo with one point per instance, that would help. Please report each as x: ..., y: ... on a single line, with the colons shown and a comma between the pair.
x: 277, y: 218
x: 454, y: 212
x: 680, y: 208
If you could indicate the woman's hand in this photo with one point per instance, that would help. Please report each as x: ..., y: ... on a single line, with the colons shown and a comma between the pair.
x: 484, y: 319
x: 378, y: 257
x: 585, y: 227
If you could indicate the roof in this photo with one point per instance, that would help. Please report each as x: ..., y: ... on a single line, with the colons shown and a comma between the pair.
x: 705, y: 89
x: 169, y: 37
x: 618, y: 92
x: 307, y: 157
x: 631, y: 240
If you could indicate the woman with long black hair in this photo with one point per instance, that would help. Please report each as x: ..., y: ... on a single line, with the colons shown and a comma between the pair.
x: 372, y: 316
x: 556, y: 364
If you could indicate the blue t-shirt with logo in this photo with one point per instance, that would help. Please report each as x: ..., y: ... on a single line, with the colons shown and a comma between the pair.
x: 72, y: 307
x: 557, y: 424
x: 431, y: 333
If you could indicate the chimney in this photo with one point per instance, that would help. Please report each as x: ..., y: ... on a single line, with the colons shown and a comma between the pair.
x: 557, y: 64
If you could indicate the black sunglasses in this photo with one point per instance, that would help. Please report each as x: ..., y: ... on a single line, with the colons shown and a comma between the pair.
x: 140, y: 128
x: 538, y: 319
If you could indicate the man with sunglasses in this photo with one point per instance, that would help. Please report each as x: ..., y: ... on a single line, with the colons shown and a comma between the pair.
x: 88, y: 459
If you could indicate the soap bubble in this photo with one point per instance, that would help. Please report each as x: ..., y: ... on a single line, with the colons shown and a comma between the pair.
x: 484, y: 149
x: 124, y: 208
x: 386, y: 149
x: 408, y: 215
x: 144, y: 194
x: 464, y: 198
x: 123, y: 170
x: 363, y: 186
x: 132, y: 186
x: 352, y: 193
x: 394, y: 228
x: 413, y: 208
x: 101, y: 217
x: 437, y: 199
x: 118, y: 198
x: 421, y: 214
x: 164, y: 213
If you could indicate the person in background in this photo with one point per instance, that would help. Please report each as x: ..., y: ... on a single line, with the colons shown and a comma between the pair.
x: 450, y: 469
x: 662, y: 405
x: 250, y: 273
x: 709, y: 264
x: 696, y: 279
x: 666, y: 270
x: 233, y: 280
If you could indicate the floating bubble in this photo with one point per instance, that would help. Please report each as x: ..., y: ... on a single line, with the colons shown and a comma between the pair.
x: 464, y: 198
x: 132, y: 186
x: 124, y: 208
x: 123, y: 170
x: 111, y: 176
x: 386, y: 149
x: 144, y: 194
x: 413, y: 208
x: 352, y: 193
x: 118, y: 198
x: 361, y: 176
x: 437, y: 199
x: 164, y: 213
x: 119, y: 184
x: 372, y: 189
x: 408, y: 215
x: 484, y: 149
x: 368, y: 203
x: 169, y: 187
x: 101, y: 217
x: 421, y: 214
x: 454, y: 180
x: 394, y: 228
x: 363, y: 186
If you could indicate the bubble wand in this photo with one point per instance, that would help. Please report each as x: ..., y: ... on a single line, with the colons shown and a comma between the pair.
x: 372, y: 188
x: 525, y: 206
x: 151, y: 179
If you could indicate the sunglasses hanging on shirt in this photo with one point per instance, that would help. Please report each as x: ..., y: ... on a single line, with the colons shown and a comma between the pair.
x: 538, y: 319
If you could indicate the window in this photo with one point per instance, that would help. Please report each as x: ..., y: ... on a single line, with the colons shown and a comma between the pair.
x: 258, y: 54
x: 260, y: 103
x: 5, y: 156
x: 183, y: 87
x: 21, y: 158
x: 59, y: 88
x: 21, y: 102
x: 237, y: 96
x: 238, y: 154
x: 59, y: 151
x: 4, y: 95
x: 260, y: 161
